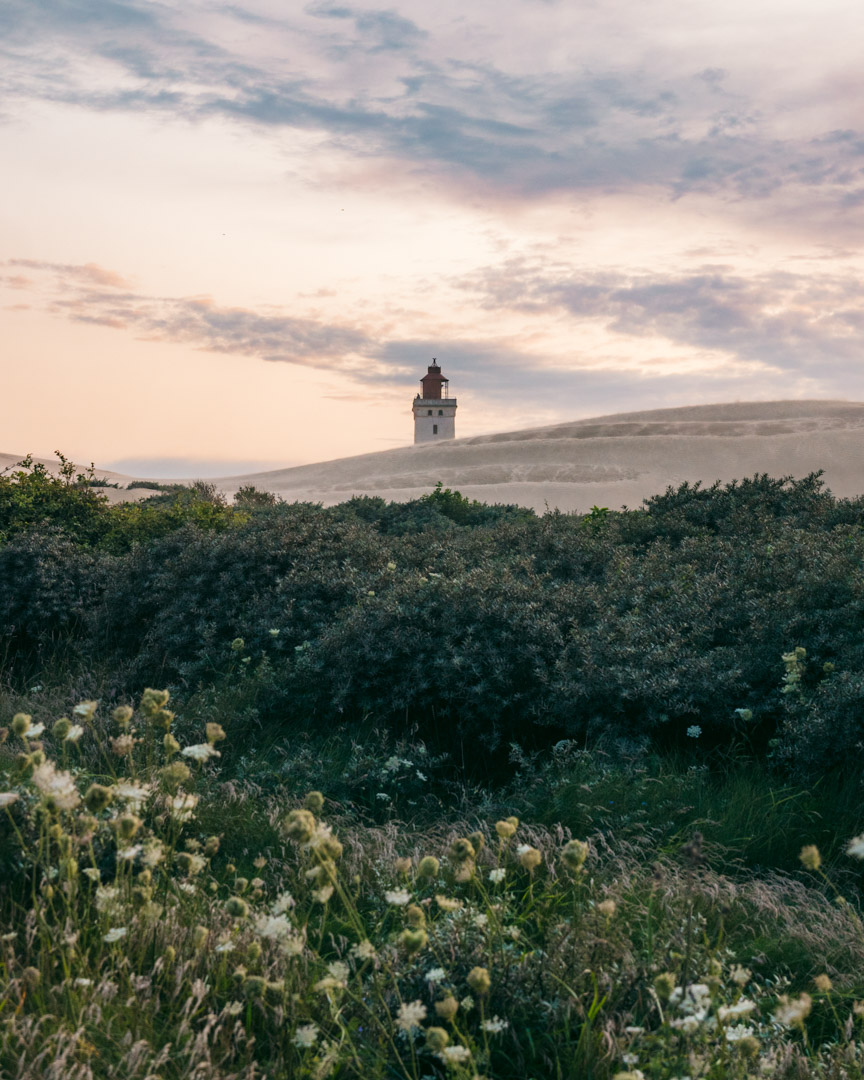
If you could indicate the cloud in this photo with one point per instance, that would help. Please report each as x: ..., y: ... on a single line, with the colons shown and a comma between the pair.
x: 379, y: 84
x: 794, y: 323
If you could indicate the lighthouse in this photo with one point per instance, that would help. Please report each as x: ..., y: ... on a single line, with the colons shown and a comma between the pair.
x: 434, y: 410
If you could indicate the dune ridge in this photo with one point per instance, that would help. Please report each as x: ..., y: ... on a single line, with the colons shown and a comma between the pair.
x: 616, y: 460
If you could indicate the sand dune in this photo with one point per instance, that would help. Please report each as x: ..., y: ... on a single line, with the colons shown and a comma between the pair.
x: 606, y: 461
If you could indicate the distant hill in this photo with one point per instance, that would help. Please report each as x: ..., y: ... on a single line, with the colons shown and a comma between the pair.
x: 605, y: 461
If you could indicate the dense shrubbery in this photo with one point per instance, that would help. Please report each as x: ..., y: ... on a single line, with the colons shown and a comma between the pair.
x: 469, y: 621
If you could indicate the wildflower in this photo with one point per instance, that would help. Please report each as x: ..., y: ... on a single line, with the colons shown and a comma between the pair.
x: 410, y: 1015
x: 687, y: 1024
x: 477, y: 841
x: 7, y: 798
x: 399, y: 897
x: 299, y: 826
x: 855, y: 847
x: 273, y: 632
x: 214, y: 732
x: 455, y: 1055
x: 199, y: 937
x: 339, y: 970
x: 22, y: 724
x: 792, y: 1013
x: 574, y: 853
x: 283, y: 902
x: 505, y: 829
x: 57, y: 787
x: 634, y: 1074
x: 436, y: 975
x: 447, y: 1007
x: 810, y: 857
x: 182, y: 806
x: 402, y: 865
x: 238, y: 644
x: 116, y: 933
x: 446, y: 903
x: 225, y: 945
x: 529, y: 857
x: 305, y: 1036
x: 461, y: 850
x: 236, y: 907
x: 170, y: 745
x: 314, y: 802
x: 740, y: 975
x: 199, y: 752
x: 428, y: 867
x: 607, y: 908
x: 61, y: 728
x: 123, y: 745
x: 495, y: 1026
x: 694, y: 731
x: 74, y: 733
x: 479, y: 981
x: 497, y: 876
x: 467, y: 1003
x: 323, y: 894
x: 153, y: 853
x: 127, y: 854
x: 122, y: 716
x: 86, y: 709
x: 741, y: 1008
x: 738, y: 1032
x: 481, y: 920
x: 413, y: 940
x: 436, y: 1039
x: 81, y: 981
x: 328, y: 983
x: 823, y: 984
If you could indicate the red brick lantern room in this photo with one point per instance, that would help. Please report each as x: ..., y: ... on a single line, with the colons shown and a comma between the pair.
x: 434, y: 384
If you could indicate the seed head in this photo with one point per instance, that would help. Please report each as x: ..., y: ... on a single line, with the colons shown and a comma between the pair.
x: 530, y: 859
x: 236, y: 907
x: 413, y: 941
x: 314, y: 802
x: 402, y: 866
x: 810, y: 857
x: 31, y: 977
x: 428, y: 867
x: 299, y: 826
x: 199, y: 937
x: 574, y: 853
x: 447, y: 1007
x: 21, y: 724
x: 664, y: 984
x: 505, y: 829
x: 122, y: 716
x: 478, y: 841
x: 211, y: 846
x: 61, y: 728
x: 479, y: 981
x: 174, y: 775
x: 823, y: 984
x: 170, y: 745
x: 461, y: 850
x: 415, y: 916
x: 436, y: 1038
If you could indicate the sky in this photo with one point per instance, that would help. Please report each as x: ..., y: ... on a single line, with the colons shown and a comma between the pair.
x: 233, y: 235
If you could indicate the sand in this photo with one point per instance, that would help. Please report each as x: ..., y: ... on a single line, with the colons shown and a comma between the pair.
x: 609, y: 461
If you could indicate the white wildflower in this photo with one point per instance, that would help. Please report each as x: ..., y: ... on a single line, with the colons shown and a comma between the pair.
x: 436, y: 975
x: 74, y: 733
x: 447, y: 903
x: 92, y: 873
x: 57, y: 786
x: 200, y: 752
x: 630, y: 1059
x: 130, y: 853
x: 410, y: 1015
x: 339, y: 970
x: 455, y: 1055
x: 383, y: 796
x: 133, y: 794
x: 7, y: 798
x: 522, y: 849
x: 116, y: 933
x: 182, y: 806
x: 154, y: 853
x: 363, y: 950
x: 495, y: 1026
x: 187, y: 887
x: 481, y: 920
x: 306, y: 1036
x: 400, y: 897
x: 283, y: 902
x: 688, y: 1024
x: 81, y: 981
x: 323, y: 894
x: 740, y: 975
x: 694, y: 731
x: 497, y: 875
x: 85, y: 709
x: 855, y: 847
x: 107, y: 899
x: 34, y: 731
x: 233, y: 1008
x: 466, y: 1004
x: 225, y: 945
x: 274, y: 927
x: 741, y: 1008
x: 738, y: 1032
x: 791, y: 1013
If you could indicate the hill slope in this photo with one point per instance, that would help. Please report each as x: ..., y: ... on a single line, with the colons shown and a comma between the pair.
x: 608, y: 461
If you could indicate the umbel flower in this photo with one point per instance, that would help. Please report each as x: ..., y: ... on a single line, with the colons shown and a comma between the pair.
x: 57, y: 787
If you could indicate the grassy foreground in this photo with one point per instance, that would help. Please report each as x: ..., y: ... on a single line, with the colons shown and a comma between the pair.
x: 161, y: 921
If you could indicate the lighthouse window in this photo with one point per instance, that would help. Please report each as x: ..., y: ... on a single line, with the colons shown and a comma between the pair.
x: 430, y: 412
x: 434, y: 429
x: 440, y: 412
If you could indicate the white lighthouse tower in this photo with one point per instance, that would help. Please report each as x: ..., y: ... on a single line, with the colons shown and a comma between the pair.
x: 434, y: 410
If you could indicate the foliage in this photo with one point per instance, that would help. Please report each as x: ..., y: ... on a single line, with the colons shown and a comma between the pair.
x: 136, y: 945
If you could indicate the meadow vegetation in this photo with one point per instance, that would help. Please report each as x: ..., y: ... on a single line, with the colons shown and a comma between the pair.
x: 433, y: 789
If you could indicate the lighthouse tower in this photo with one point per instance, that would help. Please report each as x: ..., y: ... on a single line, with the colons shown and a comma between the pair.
x: 434, y: 411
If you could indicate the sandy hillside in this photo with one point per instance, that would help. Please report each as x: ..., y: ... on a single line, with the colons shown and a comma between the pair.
x: 606, y: 461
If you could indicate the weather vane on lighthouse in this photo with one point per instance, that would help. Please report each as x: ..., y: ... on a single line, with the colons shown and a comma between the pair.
x: 434, y: 410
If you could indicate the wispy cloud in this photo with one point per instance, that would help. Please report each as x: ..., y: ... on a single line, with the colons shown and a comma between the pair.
x: 380, y: 83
